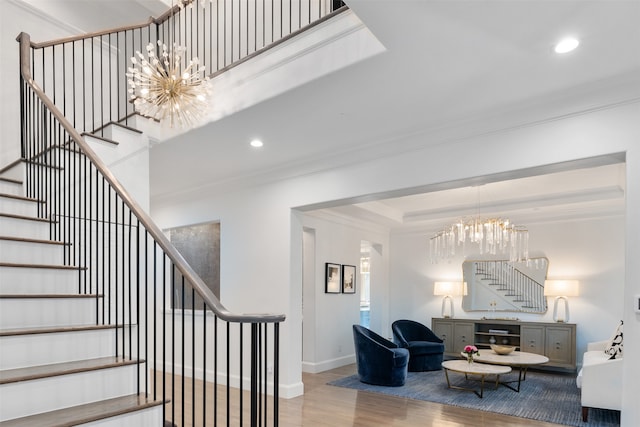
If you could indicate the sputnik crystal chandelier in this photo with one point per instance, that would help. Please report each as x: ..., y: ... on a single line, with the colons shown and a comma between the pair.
x: 161, y: 89
x: 492, y: 236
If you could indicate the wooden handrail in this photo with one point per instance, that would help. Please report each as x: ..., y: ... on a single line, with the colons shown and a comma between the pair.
x: 157, y: 21
x: 163, y: 242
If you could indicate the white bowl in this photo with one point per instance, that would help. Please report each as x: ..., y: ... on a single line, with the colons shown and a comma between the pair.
x: 502, y: 349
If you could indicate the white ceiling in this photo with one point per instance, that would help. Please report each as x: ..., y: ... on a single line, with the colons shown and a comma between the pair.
x: 466, y: 66
x: 569, y: 195
x: 483, y: 65
x: 451, y: 68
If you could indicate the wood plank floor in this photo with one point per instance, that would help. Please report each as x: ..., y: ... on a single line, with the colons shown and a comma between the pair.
x: 325, y: 405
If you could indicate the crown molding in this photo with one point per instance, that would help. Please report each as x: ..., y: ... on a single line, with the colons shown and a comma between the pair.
x: 27, y: 7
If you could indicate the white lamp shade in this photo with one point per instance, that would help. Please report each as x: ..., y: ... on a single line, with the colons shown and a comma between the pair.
x: 447, y: 288
x: 561, y: 288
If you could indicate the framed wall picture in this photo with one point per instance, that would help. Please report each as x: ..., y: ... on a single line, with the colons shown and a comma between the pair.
x: 348, y: 279
x: 332, y: 278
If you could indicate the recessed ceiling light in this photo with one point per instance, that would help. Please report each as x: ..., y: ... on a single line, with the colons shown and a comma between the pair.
x: 567, y: 45
x: 256, y: 143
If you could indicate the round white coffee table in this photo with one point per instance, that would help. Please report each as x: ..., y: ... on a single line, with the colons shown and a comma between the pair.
x: 518, y: 359
x: 480, y: 369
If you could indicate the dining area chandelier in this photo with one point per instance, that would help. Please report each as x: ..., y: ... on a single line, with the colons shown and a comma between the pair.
x: 490, y: 235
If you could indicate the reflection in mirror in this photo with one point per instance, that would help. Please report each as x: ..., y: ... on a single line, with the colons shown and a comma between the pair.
x: 505, y: 286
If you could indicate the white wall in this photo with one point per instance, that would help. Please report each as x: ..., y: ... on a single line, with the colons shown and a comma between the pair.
x: 328, y: 318
x: 16, y: 17
x: 591, y: 251
x: 45, y: 22
x: 262, y: 241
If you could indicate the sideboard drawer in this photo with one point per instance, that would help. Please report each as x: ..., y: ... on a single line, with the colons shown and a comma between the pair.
x: 532, y: 339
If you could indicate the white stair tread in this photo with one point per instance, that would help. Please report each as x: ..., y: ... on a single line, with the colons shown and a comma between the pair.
x: 56, y: 369
x: 44, y: 266
x: 86, y: 413
x: 32, y: 240
x: 25, y: 217
x: 51, y: 330
x: 35, y: 296
x: 18, y: 197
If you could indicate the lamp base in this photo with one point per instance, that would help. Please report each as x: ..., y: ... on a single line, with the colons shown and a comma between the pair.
x: 444, y: 312
x: 566, y: 310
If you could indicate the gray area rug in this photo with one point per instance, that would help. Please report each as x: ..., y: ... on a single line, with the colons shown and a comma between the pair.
x: 543, y: 396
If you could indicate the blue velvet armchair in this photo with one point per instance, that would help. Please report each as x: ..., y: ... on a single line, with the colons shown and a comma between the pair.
x: 425, y: 348
x: 379, y: 361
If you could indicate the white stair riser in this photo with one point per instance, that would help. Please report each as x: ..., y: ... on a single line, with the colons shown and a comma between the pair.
x: 147, y: 417
x: 20, y: 351
x: 38, y: 312
x: 18, y: 207
x: 16, y: 227
x: 16, y: 172
x: 11, y: 188
x: 25, y: 280
x: 47, y: 394
x: 31, y: 253
x: 121, y: 134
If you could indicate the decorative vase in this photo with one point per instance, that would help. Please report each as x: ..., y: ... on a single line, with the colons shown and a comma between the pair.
x: 469, y: 358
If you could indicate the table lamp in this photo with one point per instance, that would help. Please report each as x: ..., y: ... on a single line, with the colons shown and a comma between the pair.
x: 447, y: 290
x: 561, y: 289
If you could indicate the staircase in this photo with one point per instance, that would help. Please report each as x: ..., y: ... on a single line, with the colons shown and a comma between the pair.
x: 53, y: 355
x: 513, y: 286
x: 102, y: 321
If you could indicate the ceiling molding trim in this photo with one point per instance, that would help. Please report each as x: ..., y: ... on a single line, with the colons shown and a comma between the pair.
x: 380, y: 209
x: 348, y: 221
x: 610, y: 212
x: 505, y: 206
x: 70, y: 29
x: 390, y: 147
x: 46, y: 17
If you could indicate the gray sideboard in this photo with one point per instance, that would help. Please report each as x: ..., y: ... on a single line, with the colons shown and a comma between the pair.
x: 557, y: 341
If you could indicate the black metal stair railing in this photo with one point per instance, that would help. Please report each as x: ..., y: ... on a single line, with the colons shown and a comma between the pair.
x: 193, y: 359
x: 207, y: 365
x: 85, y: 76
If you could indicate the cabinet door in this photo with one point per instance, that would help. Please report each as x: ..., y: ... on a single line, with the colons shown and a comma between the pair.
x: 463, y: 335
x: 560, y: 346
x: 444, y: 330
x: 532, y: 339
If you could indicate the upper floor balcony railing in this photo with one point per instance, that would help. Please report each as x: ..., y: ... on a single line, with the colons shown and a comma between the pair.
x: 85, y: 75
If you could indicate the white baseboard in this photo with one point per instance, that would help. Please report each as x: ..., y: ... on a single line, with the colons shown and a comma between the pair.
x: 286, y: 391
x: 314, y: 368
